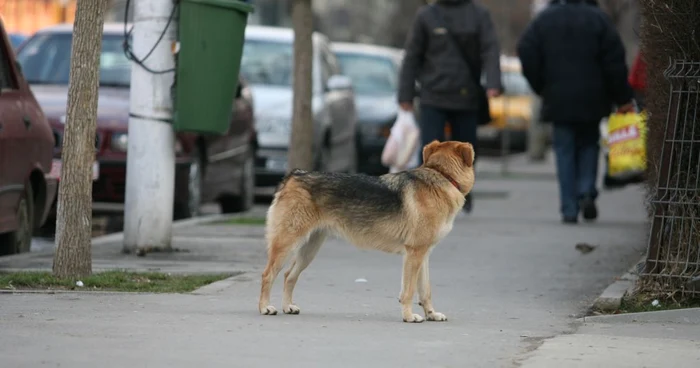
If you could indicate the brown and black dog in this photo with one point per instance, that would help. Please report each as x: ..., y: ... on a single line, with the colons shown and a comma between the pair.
x: 405, y: 213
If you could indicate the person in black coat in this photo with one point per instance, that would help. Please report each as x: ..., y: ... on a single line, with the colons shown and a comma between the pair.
x: 451, y: 44
x: 572, y: 56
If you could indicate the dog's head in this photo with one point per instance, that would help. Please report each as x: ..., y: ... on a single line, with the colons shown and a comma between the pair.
x: 453, y: 159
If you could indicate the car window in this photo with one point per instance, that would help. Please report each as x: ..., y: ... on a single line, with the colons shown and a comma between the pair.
x: 16, y: 40
x: 267, y: 62
x: 7, y: 79
x: 370, y: 74
x: 45, y: 59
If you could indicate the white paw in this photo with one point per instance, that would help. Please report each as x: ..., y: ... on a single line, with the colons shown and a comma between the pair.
x: 268, y: 311
x: 437, y: 317
x: 291, y: 309
x: 415, y: 318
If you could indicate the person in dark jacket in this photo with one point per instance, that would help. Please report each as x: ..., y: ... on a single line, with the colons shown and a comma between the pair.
x: 572, y: 56
x: 451, y: 43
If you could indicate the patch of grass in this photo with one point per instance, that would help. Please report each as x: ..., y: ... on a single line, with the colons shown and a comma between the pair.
x: 149, y: 282
x: 642, y: 302
x: 257, y: 221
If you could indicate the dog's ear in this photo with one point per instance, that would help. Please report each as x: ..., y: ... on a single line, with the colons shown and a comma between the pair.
x: 429, y: 149
x: 466, y: 151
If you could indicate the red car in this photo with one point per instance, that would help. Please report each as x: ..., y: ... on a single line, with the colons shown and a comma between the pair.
x: 26, y: 149
x: 208, y: 168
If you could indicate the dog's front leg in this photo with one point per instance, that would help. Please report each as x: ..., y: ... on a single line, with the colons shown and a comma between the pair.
x: 412, y: 261
x: 425, y: 295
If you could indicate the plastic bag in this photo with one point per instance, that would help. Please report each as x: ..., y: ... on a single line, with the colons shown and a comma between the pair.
x: 626, y: 144
x: 400, y: 149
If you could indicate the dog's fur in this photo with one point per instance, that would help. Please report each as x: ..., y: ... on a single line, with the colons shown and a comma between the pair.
x: 405, y: 213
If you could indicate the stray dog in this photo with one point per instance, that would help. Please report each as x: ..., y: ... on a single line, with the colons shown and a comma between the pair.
x: 403, y: 213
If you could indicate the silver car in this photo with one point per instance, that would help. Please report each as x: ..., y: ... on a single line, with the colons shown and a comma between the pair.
x: 267, y: 65
x: 375, y: 74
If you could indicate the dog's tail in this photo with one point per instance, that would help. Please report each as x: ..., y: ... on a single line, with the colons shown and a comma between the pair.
x: 293, y: 173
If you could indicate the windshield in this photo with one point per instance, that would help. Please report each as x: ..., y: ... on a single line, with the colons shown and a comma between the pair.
x: 371, y: 75
x: 267, y: 62
x: 45, y: 59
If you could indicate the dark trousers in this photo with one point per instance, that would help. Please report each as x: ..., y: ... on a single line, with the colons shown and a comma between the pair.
x: 434, y: 119
x: 576, y: 147
x: 463, y: 124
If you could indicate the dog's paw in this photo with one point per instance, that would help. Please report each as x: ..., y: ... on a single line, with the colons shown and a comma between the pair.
x: 415, y: 318
x: 291, y: 309
x: 436, y: 317
x: 268, y: 311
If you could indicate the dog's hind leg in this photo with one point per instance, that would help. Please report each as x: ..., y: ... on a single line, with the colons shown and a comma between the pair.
x: 425, y: 295
x: 304, y: 255
x: 412, y: 262
x: 277, y: 253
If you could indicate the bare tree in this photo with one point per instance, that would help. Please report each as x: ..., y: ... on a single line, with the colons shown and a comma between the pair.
x: 301, y: 142
x: 74, y: 218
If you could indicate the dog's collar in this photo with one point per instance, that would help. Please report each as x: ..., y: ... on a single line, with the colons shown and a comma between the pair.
x: 450, y: 179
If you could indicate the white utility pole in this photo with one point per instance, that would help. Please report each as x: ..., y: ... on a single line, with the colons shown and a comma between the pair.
x: 150, y: 176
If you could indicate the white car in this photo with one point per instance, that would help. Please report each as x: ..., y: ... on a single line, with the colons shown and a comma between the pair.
x: 267, y: 65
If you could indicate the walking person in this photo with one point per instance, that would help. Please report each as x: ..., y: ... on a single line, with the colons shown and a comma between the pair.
x: 451, y: 43
x: 573, y: 57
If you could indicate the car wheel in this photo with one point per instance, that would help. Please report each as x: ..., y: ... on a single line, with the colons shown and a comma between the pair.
x: 20, y: 240
x: 190, y: 208
x: 245, y: 200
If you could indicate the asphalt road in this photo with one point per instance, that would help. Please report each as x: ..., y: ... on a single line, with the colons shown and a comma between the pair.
x: 506, y: 277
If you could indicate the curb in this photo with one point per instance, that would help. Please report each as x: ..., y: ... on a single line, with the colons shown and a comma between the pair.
x: 219, y: 286
x: 100, y: 240
x: 686, y: 316
x: 110, y: 238
x: 611, y: 298
x: 76, y: 291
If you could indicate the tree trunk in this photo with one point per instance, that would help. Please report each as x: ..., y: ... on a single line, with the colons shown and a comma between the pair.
x: 74, y: 218
x: 301, y: 143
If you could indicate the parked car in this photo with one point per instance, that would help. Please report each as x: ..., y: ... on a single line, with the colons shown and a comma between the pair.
x: 374, y: 71
x: 267, y: 64
x: 208, y: 168
x: 16, y: 39
x: 26, y: 150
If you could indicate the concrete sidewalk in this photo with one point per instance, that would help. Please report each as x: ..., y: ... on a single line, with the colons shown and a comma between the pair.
x: 651, y: 339
x: 508, y: 277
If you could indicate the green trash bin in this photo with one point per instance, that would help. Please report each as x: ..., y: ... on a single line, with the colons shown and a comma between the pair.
x: 211, y: 35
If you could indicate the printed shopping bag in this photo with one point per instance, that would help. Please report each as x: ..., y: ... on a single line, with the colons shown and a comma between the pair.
x: 402, y: 142
x: 626, y: 146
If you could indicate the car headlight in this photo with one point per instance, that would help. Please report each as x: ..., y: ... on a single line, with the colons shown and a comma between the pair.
x: 120, y: 142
